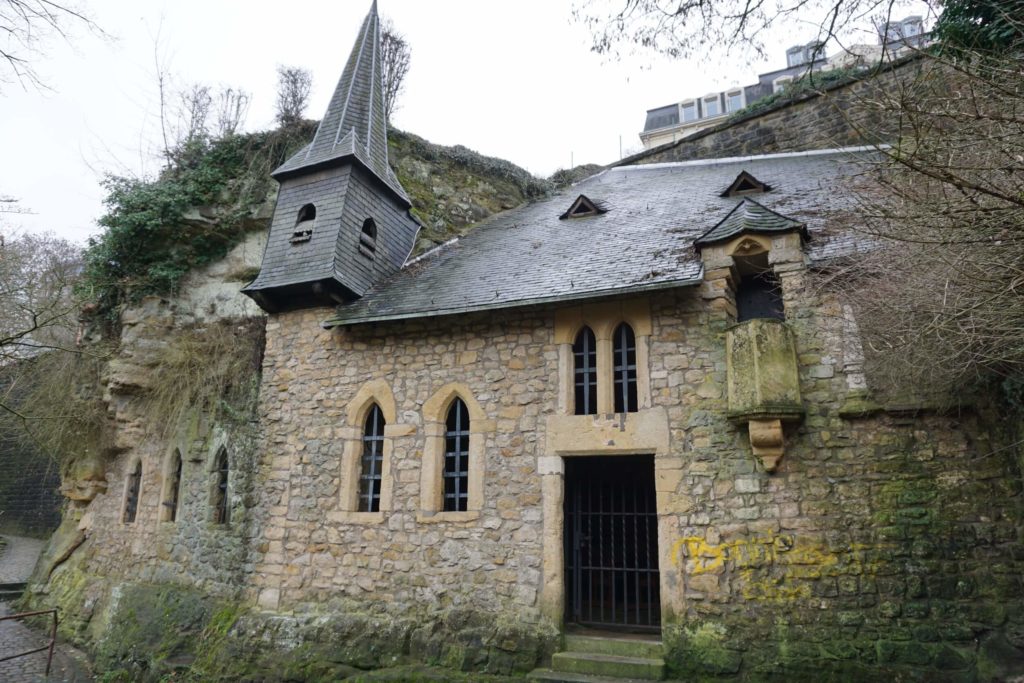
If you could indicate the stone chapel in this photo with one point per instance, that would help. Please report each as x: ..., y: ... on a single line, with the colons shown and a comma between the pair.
x: 614, y: 432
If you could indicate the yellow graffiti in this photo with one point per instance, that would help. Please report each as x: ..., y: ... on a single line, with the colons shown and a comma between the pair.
x: 715, y: 567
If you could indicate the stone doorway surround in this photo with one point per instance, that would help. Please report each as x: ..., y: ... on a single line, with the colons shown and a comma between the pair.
x: 641, y: 433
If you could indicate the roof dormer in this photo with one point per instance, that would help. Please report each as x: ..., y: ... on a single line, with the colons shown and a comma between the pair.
x: 584, y: 206
x: 744, y: 184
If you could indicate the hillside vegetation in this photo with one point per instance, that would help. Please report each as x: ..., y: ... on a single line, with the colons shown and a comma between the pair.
x: 214, y: 191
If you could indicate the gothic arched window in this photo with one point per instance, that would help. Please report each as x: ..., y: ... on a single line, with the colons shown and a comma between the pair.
x: 372, y: 461
x: 624, y: 369
x: 584, y: 352
x: 456, y: 458
x: 131, y: 494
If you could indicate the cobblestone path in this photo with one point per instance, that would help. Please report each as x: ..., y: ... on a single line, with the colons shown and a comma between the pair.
x: 17, y: 559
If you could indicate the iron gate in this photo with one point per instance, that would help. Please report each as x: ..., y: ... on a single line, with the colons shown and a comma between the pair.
x: 611, y: 543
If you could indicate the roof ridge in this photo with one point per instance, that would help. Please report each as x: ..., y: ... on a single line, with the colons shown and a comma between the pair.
x: 750, y: 157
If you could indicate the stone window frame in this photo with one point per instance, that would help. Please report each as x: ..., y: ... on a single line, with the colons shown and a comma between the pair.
x: 136, y: 463
x: 603, y: 319
x: 435, y: 415
x: 376, y: 392
x: 167, y: 493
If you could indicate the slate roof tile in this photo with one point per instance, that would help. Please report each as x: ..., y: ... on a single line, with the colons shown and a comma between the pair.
x: 644, y: 241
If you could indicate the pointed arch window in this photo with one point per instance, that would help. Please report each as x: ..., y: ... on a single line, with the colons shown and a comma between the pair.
x: 456, y: 458
x: 372, y: 462
x: 222, y: 471
x: 131, y: 494
x: 624, y: 369
x: 172, y: 493
x: 584, y: 353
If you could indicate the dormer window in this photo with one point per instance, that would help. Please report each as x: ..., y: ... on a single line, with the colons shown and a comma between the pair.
x: 688, y: 111
x: 745, y: 184
x: 795, y: 56
x: 781, y: 82
x: 583, y: 206
x: 368, y: 239
x: 712, y: 105
x: 304, y: 224
x: 734, y: 100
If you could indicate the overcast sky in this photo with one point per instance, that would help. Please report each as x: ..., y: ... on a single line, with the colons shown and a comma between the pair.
x: 514, y: 80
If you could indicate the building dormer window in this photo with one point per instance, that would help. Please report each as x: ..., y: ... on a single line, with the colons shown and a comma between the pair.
x: 712, y: 105
x: 368, y: 238
x: 583, y: 206
x: 795, y: 56
x: 304, y: 224
x: 744, y: 184
x: 734, y: 100
x: 781, y: 82
x: 688, y: 111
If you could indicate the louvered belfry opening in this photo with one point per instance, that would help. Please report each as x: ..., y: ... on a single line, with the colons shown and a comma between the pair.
x: 611, y: 543
x: 584, y: 353
x: 372, y: 461
x: 456, y: 458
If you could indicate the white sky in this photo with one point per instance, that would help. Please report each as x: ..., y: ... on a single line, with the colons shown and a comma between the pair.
x: 514, y: 80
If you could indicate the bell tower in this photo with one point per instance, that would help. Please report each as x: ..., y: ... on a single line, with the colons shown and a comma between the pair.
x: 342, y: 221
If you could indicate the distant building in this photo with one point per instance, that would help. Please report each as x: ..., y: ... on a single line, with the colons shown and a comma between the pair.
x: 679, y: 119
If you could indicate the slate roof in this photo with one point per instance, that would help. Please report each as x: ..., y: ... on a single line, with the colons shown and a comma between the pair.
x: 644, y: 242
x: 355, y: 124
x: 748, y: 216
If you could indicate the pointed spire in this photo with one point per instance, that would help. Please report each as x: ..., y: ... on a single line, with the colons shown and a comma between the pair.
x: 355, y: 124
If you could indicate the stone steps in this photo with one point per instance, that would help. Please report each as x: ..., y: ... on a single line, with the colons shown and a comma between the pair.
x: 623, y: 647
x: 599, y: 659
x: 11, y: 591
x: 549, y: 676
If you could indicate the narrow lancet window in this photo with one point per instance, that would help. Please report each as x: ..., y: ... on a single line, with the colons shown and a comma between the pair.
x: 624, y: 350
x: 584, y: 352
x: 131, y: 501
x: 456, y: 458
x: 173, y: 489
x: 372, y: 461
x: 221, y: 508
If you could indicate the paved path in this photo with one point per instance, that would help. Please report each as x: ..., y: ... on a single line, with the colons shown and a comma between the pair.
x: 17, y: 559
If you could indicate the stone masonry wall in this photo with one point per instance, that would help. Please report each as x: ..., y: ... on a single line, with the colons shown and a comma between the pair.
x: 844, y: 116
x: 885, y: 546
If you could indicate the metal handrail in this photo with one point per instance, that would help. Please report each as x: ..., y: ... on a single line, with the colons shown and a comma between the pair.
x: 49, y: 646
